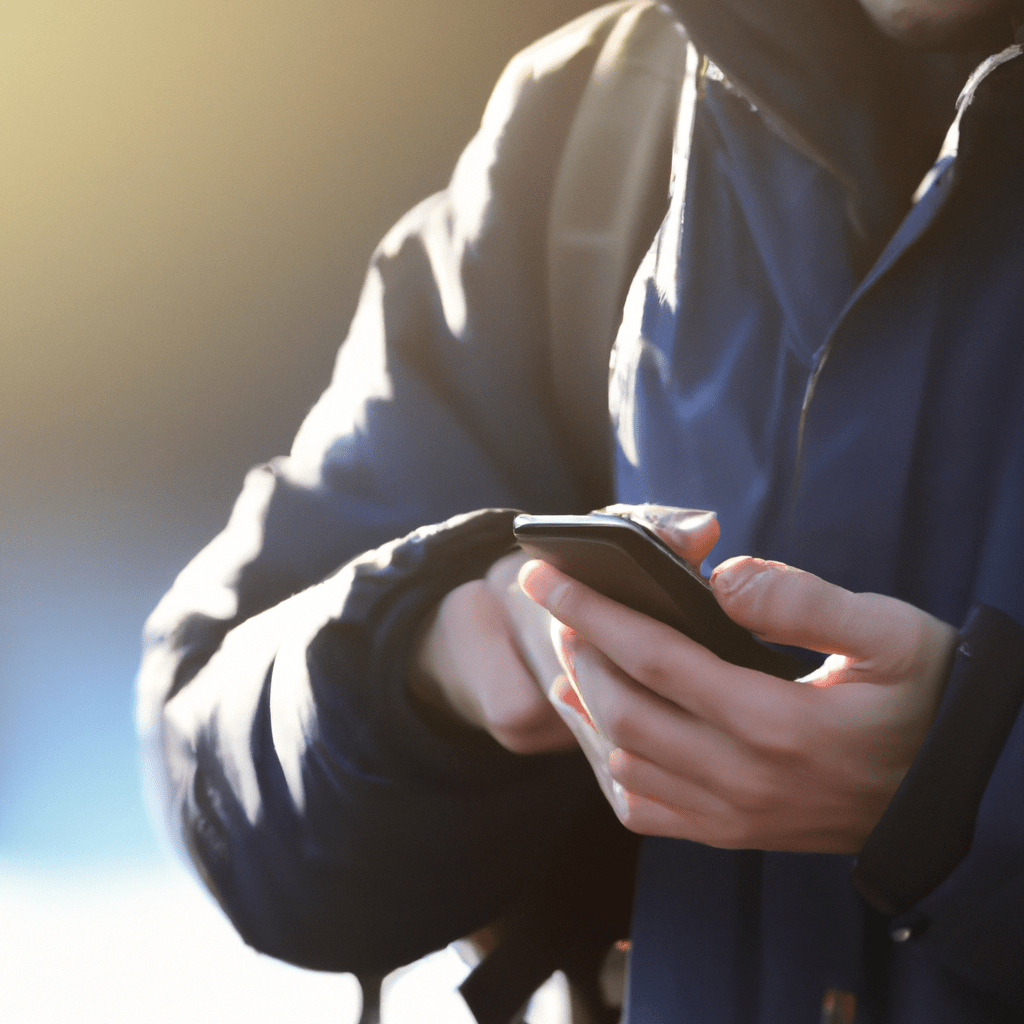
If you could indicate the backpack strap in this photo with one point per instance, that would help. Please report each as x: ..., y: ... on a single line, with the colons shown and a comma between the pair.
x: 610, y: 195
x: 567, y: 920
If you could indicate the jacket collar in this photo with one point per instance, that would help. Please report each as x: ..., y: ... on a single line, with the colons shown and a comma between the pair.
x: 870, y: 110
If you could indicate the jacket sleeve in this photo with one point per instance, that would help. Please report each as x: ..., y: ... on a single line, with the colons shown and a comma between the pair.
x: 946, y: 861
x: 336, y: 830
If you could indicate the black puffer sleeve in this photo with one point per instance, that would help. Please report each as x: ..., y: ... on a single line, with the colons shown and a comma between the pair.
x: 336, y: 829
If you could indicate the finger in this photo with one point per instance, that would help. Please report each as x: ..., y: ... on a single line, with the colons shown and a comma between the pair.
x: 698, y: 820
x: 647, y: 651
x: 470, y: 668
x: 522, y: 728
x: 790, y: 606
x: 785, y: 605
x: 594, y: 746
x: 563, y: 640
x: 516, y: 714
x: 601, y: 754
x: 552, y: 736
x: 658, y: 731
x: 566, y: 698
x: 647, y: 817
x: 691, y: 533
x: 651, y: 801
x: 529, y: 624
x: 512, y: 706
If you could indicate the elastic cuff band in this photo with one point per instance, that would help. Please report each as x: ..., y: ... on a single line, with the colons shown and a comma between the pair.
x: 927, y: 829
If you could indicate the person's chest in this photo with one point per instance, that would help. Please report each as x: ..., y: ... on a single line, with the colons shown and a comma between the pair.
x: 871, y: 431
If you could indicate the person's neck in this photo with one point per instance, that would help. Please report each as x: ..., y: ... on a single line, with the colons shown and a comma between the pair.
x: 874, y: 110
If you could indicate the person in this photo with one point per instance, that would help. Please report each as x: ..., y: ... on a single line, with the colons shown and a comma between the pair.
x: 364, y: 730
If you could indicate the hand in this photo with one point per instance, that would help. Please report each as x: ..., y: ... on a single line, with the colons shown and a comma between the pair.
x: 487, y: 659
x: 696, y: 748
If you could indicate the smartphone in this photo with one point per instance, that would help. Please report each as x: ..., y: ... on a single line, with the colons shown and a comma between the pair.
x: 632, y: 565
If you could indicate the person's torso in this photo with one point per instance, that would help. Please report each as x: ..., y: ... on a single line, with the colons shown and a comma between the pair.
x: 869, y: 431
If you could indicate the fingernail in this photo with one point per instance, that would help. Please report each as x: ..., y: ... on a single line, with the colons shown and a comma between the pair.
x: 666, y: 517
x: 728, y: 576
x: 541, y: 582
x: 687, y: 522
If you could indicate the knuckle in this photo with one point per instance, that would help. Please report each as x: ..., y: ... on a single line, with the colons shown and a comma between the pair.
x: 915, y: 639
x: 753, y: 583
x: 569, y: 602
x: 648, y: 668
x: 618, y: 725
x: 755, y: 796
x: 512, y: 718
x: 735, y: 832
x: 774, y: 733
x: 627, y: 770
x: 780, y: 742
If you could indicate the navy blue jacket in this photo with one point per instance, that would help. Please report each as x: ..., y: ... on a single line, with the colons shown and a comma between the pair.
x: 836, y: 371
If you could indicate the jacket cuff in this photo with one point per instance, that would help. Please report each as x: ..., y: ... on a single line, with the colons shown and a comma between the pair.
x: 928, y: 827
x: 360, y: 660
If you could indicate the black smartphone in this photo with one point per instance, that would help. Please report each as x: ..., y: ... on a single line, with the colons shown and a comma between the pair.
x: 632, y: 565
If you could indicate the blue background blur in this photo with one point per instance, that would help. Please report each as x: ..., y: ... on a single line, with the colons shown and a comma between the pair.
x: 189, y: 193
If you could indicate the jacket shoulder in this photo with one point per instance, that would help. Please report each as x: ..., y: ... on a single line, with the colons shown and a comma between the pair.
x: 562, y: 61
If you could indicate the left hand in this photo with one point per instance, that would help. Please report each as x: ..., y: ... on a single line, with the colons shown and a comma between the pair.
x: 690, y: 746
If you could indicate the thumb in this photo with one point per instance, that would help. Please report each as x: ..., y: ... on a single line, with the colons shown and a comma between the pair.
x: 690, y: 533
x: 784, y: 605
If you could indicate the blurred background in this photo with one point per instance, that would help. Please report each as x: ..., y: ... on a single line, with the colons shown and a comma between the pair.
x: 189, y: 193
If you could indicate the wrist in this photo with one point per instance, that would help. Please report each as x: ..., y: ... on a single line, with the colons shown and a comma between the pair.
x: 428, y: 696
